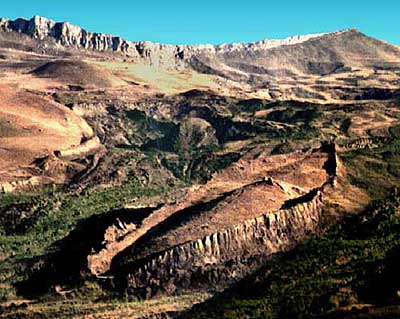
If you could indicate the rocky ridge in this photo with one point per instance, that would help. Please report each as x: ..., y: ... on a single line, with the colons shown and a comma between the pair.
x: 69, y: 35
x: 222, y: 258
x: 64, y: 33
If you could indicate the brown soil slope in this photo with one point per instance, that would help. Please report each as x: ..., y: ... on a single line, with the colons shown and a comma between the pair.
x: 323, y: 55
x: 32, y: 126
x: 74, y: 72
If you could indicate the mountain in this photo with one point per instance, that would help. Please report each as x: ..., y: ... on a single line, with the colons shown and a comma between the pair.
x: 70, y: 35
x: 347, y: 57
x: 182, y: 174
x: 338, y: 47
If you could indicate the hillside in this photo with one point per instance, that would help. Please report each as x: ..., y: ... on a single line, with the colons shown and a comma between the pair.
x: 74, y: 73
x: 140, y: 179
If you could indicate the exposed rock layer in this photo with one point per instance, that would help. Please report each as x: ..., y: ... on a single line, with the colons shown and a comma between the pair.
x: 64, y: 33
x: 85, y: 148
x: 21, y: 185
x: 221, y: 258
x: 226, y: 256
x: 365, y: 142
x: 239, y: 178
x: 69, y: 35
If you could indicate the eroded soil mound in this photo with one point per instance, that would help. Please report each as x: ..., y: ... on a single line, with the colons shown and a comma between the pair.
x: 74, y: 72
x: 32, y: 126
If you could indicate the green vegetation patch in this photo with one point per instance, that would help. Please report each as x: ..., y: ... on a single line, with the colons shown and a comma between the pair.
x: 377, y: 169
x: 40, y: 220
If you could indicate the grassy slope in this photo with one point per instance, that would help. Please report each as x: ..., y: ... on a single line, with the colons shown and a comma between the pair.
x: 82, y: 304
x: 376, y: 170
x: 52, y: 215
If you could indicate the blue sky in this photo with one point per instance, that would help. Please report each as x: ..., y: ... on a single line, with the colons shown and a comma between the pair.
x: 213, y: 21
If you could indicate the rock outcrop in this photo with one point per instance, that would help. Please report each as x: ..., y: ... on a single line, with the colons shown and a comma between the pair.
x: 248, y: 179
x: 20, y: 185
x: 69, y: 35
x: 64, y: 33
x: 85, y: 148
x: 219, y: 259
x: 222, y: 258
x: 365, y: 142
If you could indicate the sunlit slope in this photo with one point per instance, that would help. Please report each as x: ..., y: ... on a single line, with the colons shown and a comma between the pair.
x: 32, y: 126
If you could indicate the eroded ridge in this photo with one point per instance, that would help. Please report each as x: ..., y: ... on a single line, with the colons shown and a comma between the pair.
x: 286, y: 172
x: 222, y: 258
x: 216, y: 261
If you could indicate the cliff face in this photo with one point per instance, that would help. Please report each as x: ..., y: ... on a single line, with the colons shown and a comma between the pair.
x: 69, y: 35
x: 64, y: 33
x: 222, y: 258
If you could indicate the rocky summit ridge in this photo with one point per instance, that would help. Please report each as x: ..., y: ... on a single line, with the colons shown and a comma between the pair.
x: 71, y: 35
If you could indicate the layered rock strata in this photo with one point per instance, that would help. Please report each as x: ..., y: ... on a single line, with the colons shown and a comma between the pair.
x: 224, y: 257
x: 219, y: 259
x: 237, y: 178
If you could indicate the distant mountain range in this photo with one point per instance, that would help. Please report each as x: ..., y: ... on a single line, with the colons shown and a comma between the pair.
x: 315, y: 53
